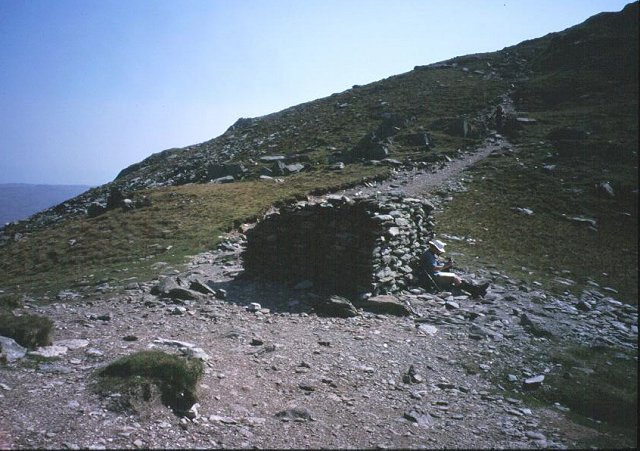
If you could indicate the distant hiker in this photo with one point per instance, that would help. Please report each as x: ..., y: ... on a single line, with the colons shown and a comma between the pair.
x: 437, y: 270
x: 499, y: 117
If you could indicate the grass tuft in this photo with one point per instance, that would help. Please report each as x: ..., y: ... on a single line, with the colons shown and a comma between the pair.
x: 30, y: 331
x: 133, y: 375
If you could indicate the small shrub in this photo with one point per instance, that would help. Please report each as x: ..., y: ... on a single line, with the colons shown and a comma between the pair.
x: 136, y: 375
x: 10, y: 301
x: 29, y: 331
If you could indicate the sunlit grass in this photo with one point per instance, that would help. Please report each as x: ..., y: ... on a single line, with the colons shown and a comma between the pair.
x: 182, y: 221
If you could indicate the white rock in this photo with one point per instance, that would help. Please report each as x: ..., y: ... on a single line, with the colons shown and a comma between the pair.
x: 11, y: 350
x: 168, y: 341
x: 49, y: 352
x: 74, y: 343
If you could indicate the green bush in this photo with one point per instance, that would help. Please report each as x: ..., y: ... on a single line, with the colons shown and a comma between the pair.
x: 29, y: 331
x: 176, y: 377
x: 10, y: 301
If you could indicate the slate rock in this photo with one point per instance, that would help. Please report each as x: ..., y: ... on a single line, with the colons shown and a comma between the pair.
x: 534, y: 327
x: 385, y: 304
x: 419, y: 418
x: 295, y: 413
x: 200, y: 287
x: 49, y: 352
x: 533, y: 383
x: 335, y: 306
x: 225, y: 179
x: 75, y: 343
x: 11, y: 351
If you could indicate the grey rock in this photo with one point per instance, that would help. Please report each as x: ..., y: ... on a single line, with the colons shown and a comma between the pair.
x: 533, y: 435
x: 200, y: 287
x: 385, y: 304
x: 10, y: 350
x: 49, y: 352
x: 418, y: 418
x: 75, y: 343
x: 533, y: 383
x: 605, y: 189
x: 54, y: 368
x: 225, y: 179
x: 335, y: 306
x: 428, y: 329
x: 534, y: 327
x: 293, y: 168
x: 295, y: 413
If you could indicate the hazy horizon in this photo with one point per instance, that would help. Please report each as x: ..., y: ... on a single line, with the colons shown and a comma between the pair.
x: 91, y: 87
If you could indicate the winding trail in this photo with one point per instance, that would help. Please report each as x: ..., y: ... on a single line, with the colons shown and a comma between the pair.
x: 420, y: 181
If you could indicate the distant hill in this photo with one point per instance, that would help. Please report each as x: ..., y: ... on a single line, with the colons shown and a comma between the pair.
x: 19, y: 200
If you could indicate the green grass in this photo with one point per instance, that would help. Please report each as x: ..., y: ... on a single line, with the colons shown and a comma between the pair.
x: 182, y: 221
x: 599, y: 386
x: 131, y: 375
x: 546, y: 245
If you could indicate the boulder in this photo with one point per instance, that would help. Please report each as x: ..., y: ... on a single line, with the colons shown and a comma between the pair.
x: 225, y: 179
x: 385, y: 304
x: 175, y: 289
x: 10, y: 351
x: 369, y: 148
x: 422, y: 139
x: 336, y: 306
x: 535, y: 328
x: 605, y: 189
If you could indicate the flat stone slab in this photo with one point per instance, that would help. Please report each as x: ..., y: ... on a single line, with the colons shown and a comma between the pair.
x: 49, y: 352
x: 74, y: 343
x: 385, y: 304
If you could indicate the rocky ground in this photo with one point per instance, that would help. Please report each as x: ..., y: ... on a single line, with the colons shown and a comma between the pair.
x: 280, y: 376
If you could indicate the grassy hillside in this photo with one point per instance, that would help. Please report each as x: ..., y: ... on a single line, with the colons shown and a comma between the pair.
x: 181, y: 221
x: 584, y: 101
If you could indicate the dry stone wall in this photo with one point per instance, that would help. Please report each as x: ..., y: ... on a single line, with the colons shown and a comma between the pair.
x: 344, y: 246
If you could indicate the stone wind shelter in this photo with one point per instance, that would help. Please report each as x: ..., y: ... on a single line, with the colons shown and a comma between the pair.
x: 344, y: 246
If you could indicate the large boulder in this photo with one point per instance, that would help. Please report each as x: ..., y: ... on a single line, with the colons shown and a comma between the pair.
x: 385, y: 304
x: 335, y: 306
x: 369, y: 148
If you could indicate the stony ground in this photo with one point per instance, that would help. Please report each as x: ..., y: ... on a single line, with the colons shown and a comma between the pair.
x: 283, y: 377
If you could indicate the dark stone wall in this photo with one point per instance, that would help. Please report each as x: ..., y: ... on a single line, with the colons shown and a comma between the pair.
x: 343, y: 246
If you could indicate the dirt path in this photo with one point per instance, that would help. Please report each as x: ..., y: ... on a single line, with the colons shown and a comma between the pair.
x: 418, y: 182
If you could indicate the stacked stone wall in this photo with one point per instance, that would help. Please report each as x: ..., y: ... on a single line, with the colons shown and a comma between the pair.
x: 344, y: 246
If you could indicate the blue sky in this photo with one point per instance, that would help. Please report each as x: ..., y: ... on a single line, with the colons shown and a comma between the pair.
x: 88, y: 87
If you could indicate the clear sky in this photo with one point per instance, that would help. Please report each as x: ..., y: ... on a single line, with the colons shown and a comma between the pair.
x: 88, y: 87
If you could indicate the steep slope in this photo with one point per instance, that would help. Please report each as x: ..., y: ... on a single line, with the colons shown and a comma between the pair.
x: 421, y: 117
x: 575, y: 168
